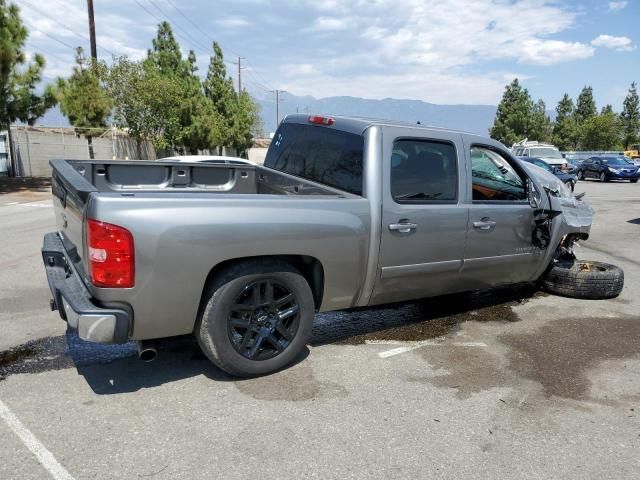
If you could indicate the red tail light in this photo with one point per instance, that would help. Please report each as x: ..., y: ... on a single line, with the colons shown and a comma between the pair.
x: 320, y: 120
x: 111, y: 255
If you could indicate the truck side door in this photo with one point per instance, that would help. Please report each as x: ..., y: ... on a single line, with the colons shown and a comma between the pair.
x: 423, y: 217
x: 499, y: 246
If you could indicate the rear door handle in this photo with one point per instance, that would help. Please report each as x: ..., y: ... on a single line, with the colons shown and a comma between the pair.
x: 403, y: 227
x: 485, y: 224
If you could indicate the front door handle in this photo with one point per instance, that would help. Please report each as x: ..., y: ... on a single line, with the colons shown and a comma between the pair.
x: 403, y: 227
x: 484, y: 224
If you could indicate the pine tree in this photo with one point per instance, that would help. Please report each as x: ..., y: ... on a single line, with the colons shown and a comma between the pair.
x: 166, y: 54
x: 513, y: 115
x: 219, y: 89
x: 539, y: 123
x: 585, y: 106
x: 565, y: 133
x: 630, y: 117
x: 84, y: 100
x: 19, y: 79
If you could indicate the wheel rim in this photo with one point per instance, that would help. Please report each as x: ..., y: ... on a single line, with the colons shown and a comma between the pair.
x: 602, y: 177
x: 263, y: 320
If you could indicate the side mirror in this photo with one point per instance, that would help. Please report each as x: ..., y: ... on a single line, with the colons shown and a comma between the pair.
x: 534, y: 195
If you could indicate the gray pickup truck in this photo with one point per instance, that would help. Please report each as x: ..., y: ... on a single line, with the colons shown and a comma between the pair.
x: 345, y: 212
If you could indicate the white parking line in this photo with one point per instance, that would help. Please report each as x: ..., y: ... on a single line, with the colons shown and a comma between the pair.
x: 40, y: 204
x: 409, y: 346
x: 44, y: 456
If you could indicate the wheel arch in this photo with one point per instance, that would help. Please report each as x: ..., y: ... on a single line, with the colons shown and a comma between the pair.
x: 310, y: 267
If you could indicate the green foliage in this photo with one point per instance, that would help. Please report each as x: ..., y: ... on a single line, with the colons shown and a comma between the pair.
x: 565, y: 130
x: 146, y: 103
x: 83, y: 98
x: 162, y: 99
x: 19, y: 79
x: 585, y: 106
x: 601, y: 132
x: 539, y: 122
x: 630, y: 117
x: 518, y: 117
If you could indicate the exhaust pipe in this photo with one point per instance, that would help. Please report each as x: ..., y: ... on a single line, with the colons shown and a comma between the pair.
x: 147, y: 351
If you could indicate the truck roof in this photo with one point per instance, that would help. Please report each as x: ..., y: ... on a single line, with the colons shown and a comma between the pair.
x: 358, y: 125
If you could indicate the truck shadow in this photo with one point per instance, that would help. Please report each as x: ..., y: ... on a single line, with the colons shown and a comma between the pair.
x: 181, y: 358
x: 116, y: 369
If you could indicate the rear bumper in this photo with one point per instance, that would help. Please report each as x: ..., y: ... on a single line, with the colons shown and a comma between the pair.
x: 73, y: 300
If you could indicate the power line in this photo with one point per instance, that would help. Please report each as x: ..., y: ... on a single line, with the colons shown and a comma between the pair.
x: 185, y: 32
x: 198, y: 28
x: 86, y: 39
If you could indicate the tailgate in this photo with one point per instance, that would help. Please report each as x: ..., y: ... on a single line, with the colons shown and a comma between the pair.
x: 70, y: 194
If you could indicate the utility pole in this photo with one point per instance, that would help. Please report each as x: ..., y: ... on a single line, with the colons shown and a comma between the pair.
x: 240, y: 68
x: 92, y: 30
x: 278, y: 100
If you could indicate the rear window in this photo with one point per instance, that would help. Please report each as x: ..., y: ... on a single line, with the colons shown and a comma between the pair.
x: 327, y: 156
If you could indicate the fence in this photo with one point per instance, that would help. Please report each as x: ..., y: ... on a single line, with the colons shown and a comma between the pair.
x: 31, y: 148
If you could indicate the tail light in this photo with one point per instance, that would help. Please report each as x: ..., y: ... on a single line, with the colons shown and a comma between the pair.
x: 320, y: 120
x: 111, y: 255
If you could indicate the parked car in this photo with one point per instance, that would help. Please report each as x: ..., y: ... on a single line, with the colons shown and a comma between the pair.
x: 345, y: 213
x: 568, y: 179
x: 544, y: 151
x: 608, y: 168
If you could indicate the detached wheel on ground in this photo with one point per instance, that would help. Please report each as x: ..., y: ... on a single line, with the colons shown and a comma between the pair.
x: 257, y: 319
x: 584, y: 279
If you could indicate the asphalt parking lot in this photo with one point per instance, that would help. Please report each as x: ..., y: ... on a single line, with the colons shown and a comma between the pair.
x: 512, y: 383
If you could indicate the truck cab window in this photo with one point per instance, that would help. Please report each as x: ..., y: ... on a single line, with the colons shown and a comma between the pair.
x: 424, y: 172
x: 494, y: 178
x: 326, y: 156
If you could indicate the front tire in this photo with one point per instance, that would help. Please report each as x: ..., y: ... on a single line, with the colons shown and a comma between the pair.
x: 258, y: 317
x: 634, y: 180
x: 580, y: 175
x: 603, y: 177
x: 584, y: 279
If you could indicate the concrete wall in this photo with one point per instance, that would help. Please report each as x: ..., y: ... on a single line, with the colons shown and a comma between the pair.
x: 33, y: 147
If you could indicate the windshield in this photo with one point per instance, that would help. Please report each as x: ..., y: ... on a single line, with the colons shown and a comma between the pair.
x: 545, y: 152
x: 614, y: 161
x: 541, y: 164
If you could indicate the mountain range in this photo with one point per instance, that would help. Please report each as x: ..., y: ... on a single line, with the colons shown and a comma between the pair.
x: 470, y: 118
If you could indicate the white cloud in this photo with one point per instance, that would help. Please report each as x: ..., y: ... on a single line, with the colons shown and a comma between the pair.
x: 328, y: 24
x: 620, y: 44
x: 550, y: 52
x: 233, y: 22
x: 615, y: 6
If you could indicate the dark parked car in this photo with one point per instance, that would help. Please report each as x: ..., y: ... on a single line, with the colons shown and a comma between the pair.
x: 608, y: 168
x: 569, y: 179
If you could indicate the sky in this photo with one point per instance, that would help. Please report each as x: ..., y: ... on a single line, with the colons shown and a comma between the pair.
x: 438, y: 51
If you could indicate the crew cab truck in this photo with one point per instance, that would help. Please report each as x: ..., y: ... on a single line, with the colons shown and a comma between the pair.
x: 345, y: 212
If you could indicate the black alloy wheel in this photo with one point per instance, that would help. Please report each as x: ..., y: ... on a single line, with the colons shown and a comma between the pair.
x: 263, y: 320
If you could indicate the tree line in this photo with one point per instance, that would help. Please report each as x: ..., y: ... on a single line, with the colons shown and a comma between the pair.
x: 577, y: 126
x: 160, y: 98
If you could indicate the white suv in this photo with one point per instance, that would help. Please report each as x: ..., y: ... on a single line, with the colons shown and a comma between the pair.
x: 543, y: 151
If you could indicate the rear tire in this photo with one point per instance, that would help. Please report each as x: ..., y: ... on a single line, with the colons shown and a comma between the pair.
x: 246, y: 333
x: 584, y: 279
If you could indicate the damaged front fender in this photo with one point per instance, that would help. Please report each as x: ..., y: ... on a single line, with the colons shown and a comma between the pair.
x: 564, y: 217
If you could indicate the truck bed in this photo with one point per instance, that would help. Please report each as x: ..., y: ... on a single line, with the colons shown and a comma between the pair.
x: 85, y: 177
